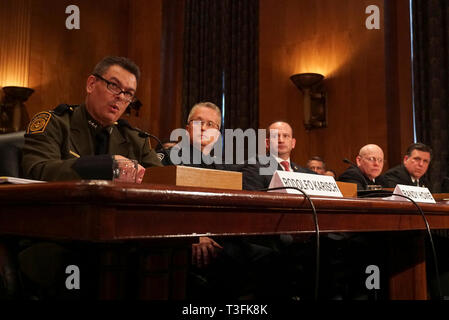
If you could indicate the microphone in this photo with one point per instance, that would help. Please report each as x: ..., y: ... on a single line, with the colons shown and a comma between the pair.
x: 142, y: 134
x: 345, y: 160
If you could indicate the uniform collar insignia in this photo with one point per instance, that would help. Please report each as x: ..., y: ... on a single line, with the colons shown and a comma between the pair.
x: 92, y: 124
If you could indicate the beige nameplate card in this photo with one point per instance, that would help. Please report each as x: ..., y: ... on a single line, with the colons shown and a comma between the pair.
x: 311, y: 184
x: 418, y: 194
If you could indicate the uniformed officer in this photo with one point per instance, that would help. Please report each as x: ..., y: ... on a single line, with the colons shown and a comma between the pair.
x: 80, y: 142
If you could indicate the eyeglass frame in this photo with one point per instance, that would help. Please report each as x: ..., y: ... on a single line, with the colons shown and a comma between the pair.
x: 207, y: 123
x: 110, y: 83
x: 374, y: 159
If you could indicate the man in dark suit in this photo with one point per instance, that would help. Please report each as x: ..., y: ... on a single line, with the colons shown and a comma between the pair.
x: 317, y: 164
x: 353, y: 251
x: 279, y: 154
x: 370, y: 162
x: 203, y: 128
x: 413, y: 169
x: 276, y: 256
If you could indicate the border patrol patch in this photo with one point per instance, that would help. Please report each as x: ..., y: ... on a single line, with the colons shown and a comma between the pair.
x: 39, y: 122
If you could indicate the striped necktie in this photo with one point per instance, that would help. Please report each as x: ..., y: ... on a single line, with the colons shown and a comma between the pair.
x: 286, y: 165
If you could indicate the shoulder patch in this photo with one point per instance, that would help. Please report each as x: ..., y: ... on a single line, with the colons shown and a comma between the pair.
x: 39, y: 122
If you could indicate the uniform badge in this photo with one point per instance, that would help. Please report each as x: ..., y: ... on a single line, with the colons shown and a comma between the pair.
x: 39, y: 122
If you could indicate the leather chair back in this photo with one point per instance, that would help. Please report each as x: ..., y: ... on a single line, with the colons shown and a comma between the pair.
x: 11, y: 145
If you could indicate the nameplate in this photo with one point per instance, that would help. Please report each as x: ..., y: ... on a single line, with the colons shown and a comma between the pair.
x: 418, y: 194
x: 311, y: 184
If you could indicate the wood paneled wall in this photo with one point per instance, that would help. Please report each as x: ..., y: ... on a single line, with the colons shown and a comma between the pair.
x: 367, y: 71
x: 15, y: 42
x: 60, y: 59
x: 327, y: 37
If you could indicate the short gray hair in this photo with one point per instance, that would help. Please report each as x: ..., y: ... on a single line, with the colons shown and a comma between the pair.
x: 209, y: 105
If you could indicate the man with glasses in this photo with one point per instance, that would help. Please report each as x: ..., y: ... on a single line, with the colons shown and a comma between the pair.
x: 413, y: 168
x: 81, y: 142
x: 370, y: 162
x: 203, y: 128
x: 350, y: 253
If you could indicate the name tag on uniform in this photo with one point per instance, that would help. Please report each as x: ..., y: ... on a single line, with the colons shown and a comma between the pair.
x: 418, y: 194
x: 311, y: 184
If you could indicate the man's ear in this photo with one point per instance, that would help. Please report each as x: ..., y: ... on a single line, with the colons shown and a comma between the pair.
x: 358, y: 159
x: 90, y: 83
x: 293, y: 143
x: 405, y: 159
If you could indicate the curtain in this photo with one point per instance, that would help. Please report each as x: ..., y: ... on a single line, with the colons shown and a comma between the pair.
x: 221, y: 58
x: 431, y: 82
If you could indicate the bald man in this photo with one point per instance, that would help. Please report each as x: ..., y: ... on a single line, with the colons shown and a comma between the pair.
x: 370, y: 162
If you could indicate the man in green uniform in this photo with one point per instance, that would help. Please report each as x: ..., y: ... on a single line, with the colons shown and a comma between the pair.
x: 81, y: 142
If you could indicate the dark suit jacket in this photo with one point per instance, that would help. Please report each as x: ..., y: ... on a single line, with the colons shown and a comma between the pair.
x: 400, y: 175
x: 253, y: 180
x: 207, y: 161
x: 354, y: 175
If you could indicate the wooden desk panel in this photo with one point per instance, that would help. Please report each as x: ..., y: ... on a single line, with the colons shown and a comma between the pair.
x: 106, y: 212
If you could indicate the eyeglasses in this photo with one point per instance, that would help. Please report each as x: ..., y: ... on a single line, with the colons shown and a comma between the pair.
x: 208, y: 124
x: 374, y: 159
x: 115, y: 89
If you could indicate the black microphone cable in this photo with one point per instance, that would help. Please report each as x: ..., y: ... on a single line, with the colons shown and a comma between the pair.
x: 434, y: 254
x: 317, y: 232
x: 143, y: 134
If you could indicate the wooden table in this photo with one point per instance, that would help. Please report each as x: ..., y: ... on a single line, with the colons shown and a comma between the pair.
x: 167, y: 219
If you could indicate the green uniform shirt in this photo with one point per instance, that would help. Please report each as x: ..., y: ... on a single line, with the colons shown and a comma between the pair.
x: 59, y: 145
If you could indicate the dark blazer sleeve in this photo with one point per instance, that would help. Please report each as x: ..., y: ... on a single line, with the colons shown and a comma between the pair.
x: 397, y: 175
x: 252, y: 180
x: 350, y: 175
x: 300, y: 169
x: 46, y: 154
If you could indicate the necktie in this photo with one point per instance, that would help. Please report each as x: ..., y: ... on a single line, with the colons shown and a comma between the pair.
x: 286, y: 165
x: 102, y: 142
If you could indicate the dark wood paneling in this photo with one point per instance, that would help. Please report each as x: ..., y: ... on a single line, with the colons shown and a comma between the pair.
x: 369, y: 99
x: 61, y: 59
x: 398, y: 79
x: 145, y: 48
x: 172, y: 68
x: 330, y: 37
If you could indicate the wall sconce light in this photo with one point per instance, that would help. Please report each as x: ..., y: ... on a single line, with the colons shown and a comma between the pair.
x: 13, y: 115
x: 315, y: 110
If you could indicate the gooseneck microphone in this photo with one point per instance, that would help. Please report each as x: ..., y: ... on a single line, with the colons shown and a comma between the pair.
x: 143, y: 134
x: 345, y: 160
